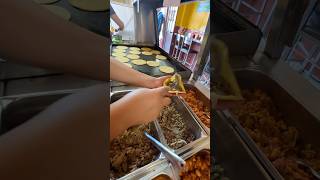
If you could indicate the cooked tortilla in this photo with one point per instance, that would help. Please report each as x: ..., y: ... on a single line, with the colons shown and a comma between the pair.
x: 166, y: 69
x: 156, y: 52
x: 161, y: 57
x: 153, y: 63
x: 146, y: 49
x: 121, y: 47
x: 118, y: 54
x: 133, y: 56
x: 139, y: 62
x: 134, y: 49
x: 147, y: 53
x: 135, y: 52
x: 122, y: 59
x: 119, y: 50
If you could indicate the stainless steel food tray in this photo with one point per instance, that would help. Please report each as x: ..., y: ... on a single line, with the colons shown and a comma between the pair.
x: 293, y: 114
x: 231, y: 152
x: 165, y: 167
x: 185, y: 151
x: 201, y: 97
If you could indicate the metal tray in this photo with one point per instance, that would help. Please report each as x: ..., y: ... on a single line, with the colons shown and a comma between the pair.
x: 166, y: 168
x: 115, y: 97
x: 185, y: 151
x: 202, y: 98
x: 286, y: 104
x: 15, y: 110
x: 231, y: 152
x: 192, y: 124
x: 154, y: 71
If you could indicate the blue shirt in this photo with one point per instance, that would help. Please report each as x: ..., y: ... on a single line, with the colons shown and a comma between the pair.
x: 160, y: 21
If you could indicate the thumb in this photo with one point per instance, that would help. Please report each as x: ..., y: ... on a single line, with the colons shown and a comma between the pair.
x: 164, y: 90
x: 166, y: 101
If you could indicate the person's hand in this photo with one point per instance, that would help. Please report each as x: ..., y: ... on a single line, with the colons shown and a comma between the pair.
x: 147, y: 103
x: 156, y: 82
x: 141, y: 106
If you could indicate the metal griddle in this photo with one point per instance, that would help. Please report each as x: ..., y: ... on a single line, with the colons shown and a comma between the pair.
x: 154, y: 71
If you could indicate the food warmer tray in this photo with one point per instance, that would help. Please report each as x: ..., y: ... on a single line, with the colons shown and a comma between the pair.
x: 164, y: 167
x: 200, y: 96
x: 292, y: 111
x: 154, y: 71
x: 202, y: 141
x: 231, y: 152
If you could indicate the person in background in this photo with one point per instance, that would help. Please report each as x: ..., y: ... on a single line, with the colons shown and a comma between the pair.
x: 116, y: 19
x: 160, y: 20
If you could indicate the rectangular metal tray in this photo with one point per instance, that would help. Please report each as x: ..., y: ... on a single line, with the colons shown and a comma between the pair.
x: 231, y: 152
x: 166, y: 168
x: 202, y: 98
x: 294, y: 114
x: 153, y: 71
x: 192, y: 124
x: 155, y: 133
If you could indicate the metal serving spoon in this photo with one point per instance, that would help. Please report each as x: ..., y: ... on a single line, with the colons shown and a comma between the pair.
x: 313, y: 172
x: 169, y: 154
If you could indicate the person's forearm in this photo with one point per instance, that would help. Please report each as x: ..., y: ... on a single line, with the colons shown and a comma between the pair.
x: 120, y: 118
x: 66, y: 141
x: 121, y: 72
x: 32, y: 35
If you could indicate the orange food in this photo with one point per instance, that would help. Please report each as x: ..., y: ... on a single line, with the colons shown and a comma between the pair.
x: 280, y: 142
x: 197, y: 167
x: 198, y: 107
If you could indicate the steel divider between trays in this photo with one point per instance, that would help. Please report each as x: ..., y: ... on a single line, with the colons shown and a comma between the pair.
x: 162, y: 169
x: 144, y: 171
x: 262, y: 158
